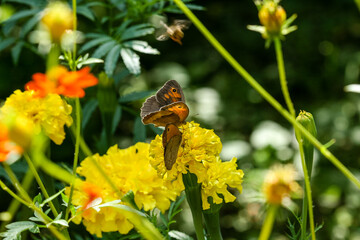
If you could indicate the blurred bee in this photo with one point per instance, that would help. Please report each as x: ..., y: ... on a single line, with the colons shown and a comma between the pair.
x: 174, y: 31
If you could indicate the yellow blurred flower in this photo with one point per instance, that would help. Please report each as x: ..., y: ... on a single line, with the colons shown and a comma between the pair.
x: 129, y: 170
x: 9, y: 151
x: 272, y: 16
x: 57, y: 19
x: 280, y: 183
x: 50, y: 113
x: 198, y: 154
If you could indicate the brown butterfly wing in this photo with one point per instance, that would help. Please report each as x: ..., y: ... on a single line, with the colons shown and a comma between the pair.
x: 161, y: 118
x: 172, y: 138
x: 171, y: 92
x: 180, y: 109
x: 149, y: 106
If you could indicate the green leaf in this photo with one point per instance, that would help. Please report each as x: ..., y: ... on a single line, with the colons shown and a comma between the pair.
x: 179, y: 235
x: 15, y: 229
x: 51, y: 198
x: 6, y: 42
x: 89, y: 61
x: 15, y: 52
x: 116, y: 118
x: 137, y: 31
x: 134, y: 96
x: 94, y: 43
x: 139, y: 131
x: 131, y: 60
x: 86, y: 12
x: 88, y: 110
x: 32, y: 3
x: 141, y: 46
x: 22, y: 14
x: 30, y: 24
x: 103, y: 49
x: 112, y: 59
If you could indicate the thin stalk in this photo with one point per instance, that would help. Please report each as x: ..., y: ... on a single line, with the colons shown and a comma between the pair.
x: 74, y: 29
x: 282, y: 76
x: 55, y: 170
x: 16, y: 182
x: 268, y: 222
x: 323, y: 150
x: 76, y: 154
x: 14, y: 195
x: 39, y: 181
x: 193, y: 197
x: 308, y: 195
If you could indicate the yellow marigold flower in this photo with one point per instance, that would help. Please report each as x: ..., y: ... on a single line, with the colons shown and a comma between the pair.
x: 220, y: 175
x: 57, y: 18
x: 50, y: 113
x: 198, y: 145
x: 129, y: 169
x: 199, y: 154
x: 280, y: 183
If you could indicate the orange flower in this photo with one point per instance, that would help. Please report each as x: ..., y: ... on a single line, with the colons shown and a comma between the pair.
x: 93, y: 192
x: 7, y: 148
x: 60, y: 81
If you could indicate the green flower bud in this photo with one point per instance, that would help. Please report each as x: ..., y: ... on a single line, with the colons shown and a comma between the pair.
x: 307, y: 121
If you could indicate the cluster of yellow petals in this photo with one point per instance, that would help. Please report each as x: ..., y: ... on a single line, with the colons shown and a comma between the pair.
x: 199, y: 154
x: 50, y: 113
x: 129, y: 169
x: 280, y: 183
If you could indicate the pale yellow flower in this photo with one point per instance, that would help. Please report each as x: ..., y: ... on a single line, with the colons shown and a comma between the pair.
x: 49, y: 114
x: 129, y: 169
x: 280, y: 183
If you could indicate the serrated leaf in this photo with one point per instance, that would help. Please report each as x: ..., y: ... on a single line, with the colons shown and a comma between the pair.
x: 86, y: 12
x: 141, y: 46
x: 15, y: 229
x: 111, y: 60
x: 134, y: 96
x: 116, y: 118
x: 103, y: 49
x: 30, y: 24
x: 179, y: 235
x: 4, y: 43
x: 15, y: 52
x: 131, y: 60
x: 139, y: 131
x: 88, y: 110
x: 137, y: 31
x: 22, y: 14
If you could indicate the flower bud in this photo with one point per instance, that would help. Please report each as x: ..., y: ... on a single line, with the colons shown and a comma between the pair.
x: 57, y: 18
x: 272, y: 17
x: 307, y: 121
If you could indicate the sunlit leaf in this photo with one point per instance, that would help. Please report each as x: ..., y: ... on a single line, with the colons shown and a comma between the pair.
x: 131, y: 60
x: 141, y: 46
x: 15, y: 229
x: 179, y: 235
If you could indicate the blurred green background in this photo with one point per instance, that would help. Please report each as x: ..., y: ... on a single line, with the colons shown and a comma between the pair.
x: 321, y: 57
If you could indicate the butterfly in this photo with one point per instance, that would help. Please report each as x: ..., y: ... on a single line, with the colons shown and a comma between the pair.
x: 167, y: 108
x: 174, y: 31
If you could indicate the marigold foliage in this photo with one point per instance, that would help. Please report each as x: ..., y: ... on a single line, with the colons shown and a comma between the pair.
x: 129, y: 170
x: 49, y: 114
x: 199, y: 154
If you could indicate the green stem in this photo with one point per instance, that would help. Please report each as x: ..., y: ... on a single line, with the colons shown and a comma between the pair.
x: 282, y: 76
x: 74, y: 29
x: 268, y: 222
x: 14, y: 195
x: 357, y: 2
x: 15, y: 204
x: 76, y: 154
x: 308, y: 197
x: 264, y: 93
x: 16, y: 182
x: 212, y: 225
x: 55, y: 170
x: 39, y: 181
x: 53, y: 57
x: 193, y: 196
